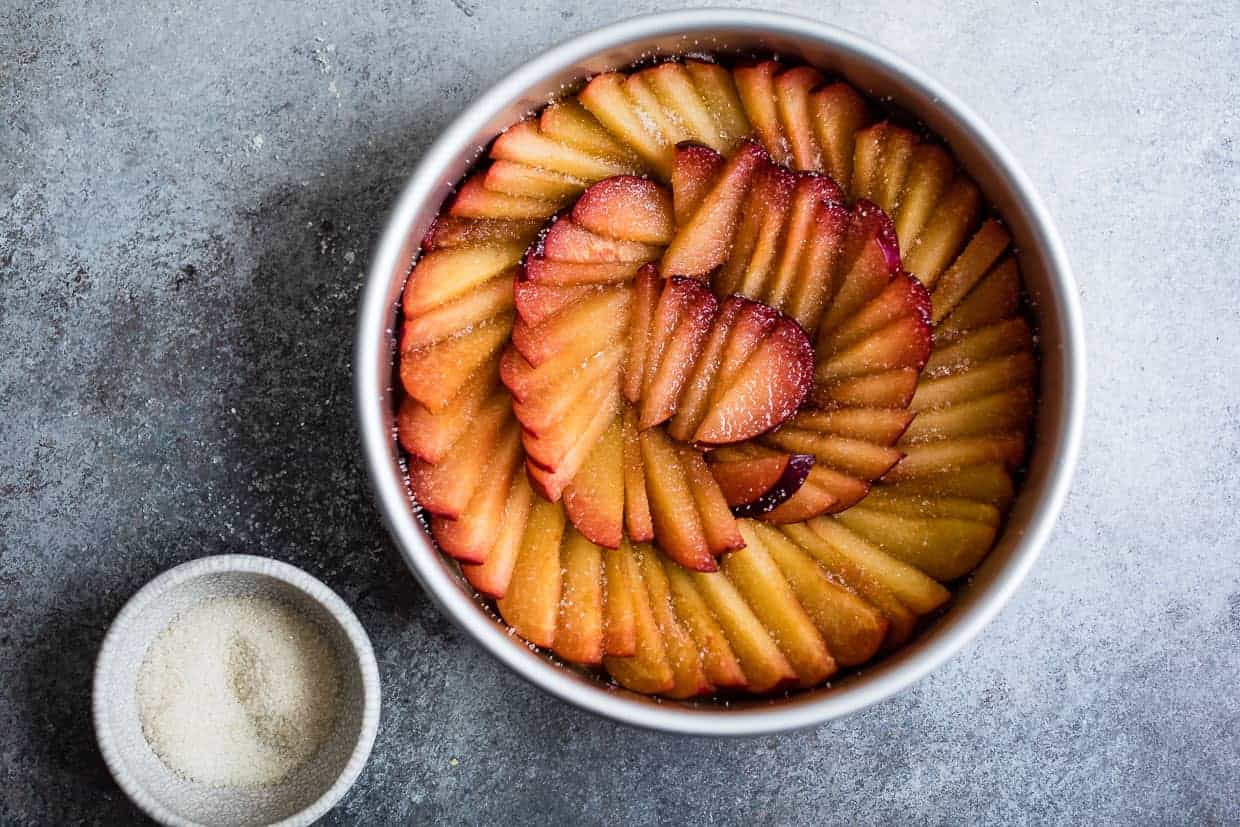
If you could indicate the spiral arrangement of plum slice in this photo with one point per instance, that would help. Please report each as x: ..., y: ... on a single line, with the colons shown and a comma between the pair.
x: 714, y: 380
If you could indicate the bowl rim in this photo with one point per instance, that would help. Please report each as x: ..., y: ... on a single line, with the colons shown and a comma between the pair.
x: 901, y: 670
x: 311, y: 587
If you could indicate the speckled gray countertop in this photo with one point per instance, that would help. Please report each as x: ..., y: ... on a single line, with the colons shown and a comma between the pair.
x: 188, y: 195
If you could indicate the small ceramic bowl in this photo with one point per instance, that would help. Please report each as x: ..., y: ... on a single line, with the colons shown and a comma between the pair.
x: 309, y: 791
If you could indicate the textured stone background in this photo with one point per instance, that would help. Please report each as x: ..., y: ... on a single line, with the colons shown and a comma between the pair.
x: 188, y: 194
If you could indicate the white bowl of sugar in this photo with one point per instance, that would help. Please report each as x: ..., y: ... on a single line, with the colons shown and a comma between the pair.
x: 236, y: 690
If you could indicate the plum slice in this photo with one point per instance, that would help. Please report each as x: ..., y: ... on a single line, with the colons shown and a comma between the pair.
x: 753, y: 486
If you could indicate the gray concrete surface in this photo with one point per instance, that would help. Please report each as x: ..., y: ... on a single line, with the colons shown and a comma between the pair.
x: 188, y: 194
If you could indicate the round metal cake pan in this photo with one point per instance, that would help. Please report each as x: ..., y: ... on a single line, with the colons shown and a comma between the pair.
x: 880, y: 73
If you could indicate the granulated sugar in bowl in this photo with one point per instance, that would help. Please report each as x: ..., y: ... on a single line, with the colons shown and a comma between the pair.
x: 235, y: 691
x: 239, y: 691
